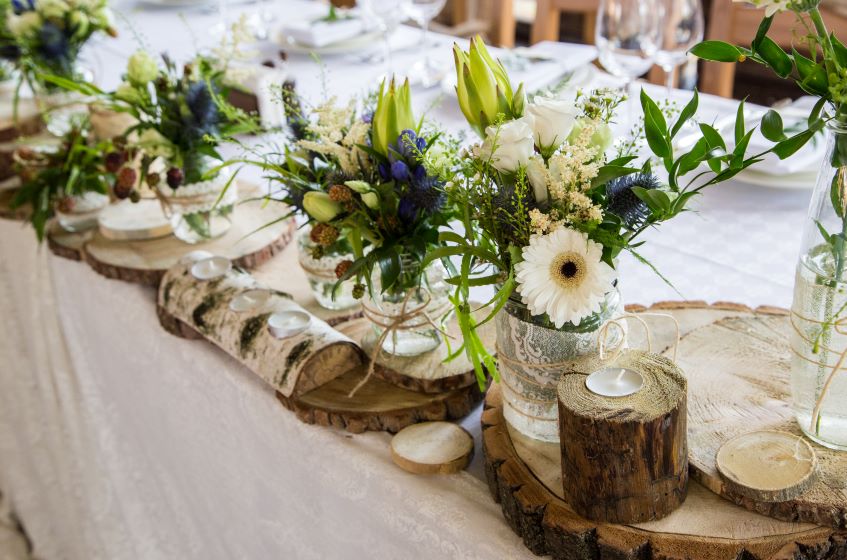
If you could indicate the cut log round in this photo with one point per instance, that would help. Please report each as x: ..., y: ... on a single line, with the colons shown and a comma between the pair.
x: 66, y: 244
x: 767, y: 466
x: 432, y: 448
x: 624, y: 459
x: 738, y: 378
x: 145, y: 262
x: 525, y: 477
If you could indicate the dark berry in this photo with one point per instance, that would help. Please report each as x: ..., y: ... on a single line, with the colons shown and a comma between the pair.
x: 174, y: 177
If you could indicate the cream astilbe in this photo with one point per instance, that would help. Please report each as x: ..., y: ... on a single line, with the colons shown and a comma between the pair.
x: 338, y: 134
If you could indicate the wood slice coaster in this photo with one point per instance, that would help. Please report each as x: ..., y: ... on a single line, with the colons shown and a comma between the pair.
x: 145, y: 262
x: 66, y: 244
x: 738, y: 370
x: 524, y: 476
x: 427, y: 373
x: 432, y: 448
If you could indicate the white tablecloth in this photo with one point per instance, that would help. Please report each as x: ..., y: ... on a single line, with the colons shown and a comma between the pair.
x: 120, y: 441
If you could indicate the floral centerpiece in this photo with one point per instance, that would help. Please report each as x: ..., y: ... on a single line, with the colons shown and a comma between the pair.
x: 180, y: 121
x: 820, y: 306
x: 549, y: 205
x: 46, y: 37
x: 71, y: 181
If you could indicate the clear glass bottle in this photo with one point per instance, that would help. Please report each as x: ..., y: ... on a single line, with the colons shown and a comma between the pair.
x: 532, y: 356
x: 79, y: 212
x: 320, y: 272
x: 419, y: 295
x: 819, y: 311
x: 197, y: 211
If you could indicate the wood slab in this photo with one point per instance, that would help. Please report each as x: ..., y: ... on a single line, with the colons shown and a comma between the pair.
x: 524, y: 476
x: 428, y: 372
x: 66, y: 244
x: 738, y: 370
x: 145, y: 262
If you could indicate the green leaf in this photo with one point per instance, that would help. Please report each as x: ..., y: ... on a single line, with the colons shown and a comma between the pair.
x: 693, y: 158
x: 772, y: 127
x: 717, y: 51
x: 655, y: 127
x: 390, y: 268
x: 764, y: 26
x: 609, y: 172
x: 737, y: 160
x: 835, y: 197
x: 775, y: 57
x: 739, y: 122
x: 790, y: 146
x: 712, y: 136
x: 687, y: 112
x: 657, y: 200
x: 816, y: 111
x: 840, y: 50
x: 813, y: 77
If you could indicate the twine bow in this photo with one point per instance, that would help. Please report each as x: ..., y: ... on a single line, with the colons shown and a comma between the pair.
x: 839, y: 326
x: 390, y: 323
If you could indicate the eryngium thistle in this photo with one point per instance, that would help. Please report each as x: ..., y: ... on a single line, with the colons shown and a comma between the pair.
x: 204, y: 112
x: 623, y: 203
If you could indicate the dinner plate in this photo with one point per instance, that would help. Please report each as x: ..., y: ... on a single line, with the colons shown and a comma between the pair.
x: 176, y: 3
x: 366, y: 40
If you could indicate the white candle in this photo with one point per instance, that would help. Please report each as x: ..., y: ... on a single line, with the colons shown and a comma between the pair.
x: 614, y: 382
x: 286, y: 324
x: 194, y: 256
x: 211, y: 268
x: 251, y: 300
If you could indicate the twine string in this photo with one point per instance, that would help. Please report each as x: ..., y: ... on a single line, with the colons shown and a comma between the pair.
x: 836, y: 325
x: 390, y: 323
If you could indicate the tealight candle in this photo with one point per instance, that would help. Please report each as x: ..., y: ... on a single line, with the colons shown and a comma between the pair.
x: 211, y: 268
x: 614, y: 382
x: 194, y: 256
x: 251, y: 300
x: 285, y: 324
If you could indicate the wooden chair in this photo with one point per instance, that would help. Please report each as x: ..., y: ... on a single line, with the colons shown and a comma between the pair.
x: 547, y: 14
x: 737, y: 23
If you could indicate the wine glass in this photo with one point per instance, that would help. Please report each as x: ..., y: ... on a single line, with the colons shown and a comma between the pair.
x: 386, y: 15
x: 628, y: 36
x: 683, y: 28
x: 422, y: 12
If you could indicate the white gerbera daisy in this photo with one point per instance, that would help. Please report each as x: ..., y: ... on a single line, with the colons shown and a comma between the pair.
x: 562, y: 275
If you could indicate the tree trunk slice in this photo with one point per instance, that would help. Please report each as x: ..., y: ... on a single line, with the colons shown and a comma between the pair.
x: 738, y: 370
x: 524, y: 476
x: 624, y: 459
x: 767, y: 466
x: 145, y: 262
x: 432, y: 448
x: 66, y: 244
x: 378, y: 405
x: 292, y: 366
x: 20, y: 214
x: 427, y: 373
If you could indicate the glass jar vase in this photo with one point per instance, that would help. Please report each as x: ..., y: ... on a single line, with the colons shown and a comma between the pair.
x: 197, y: 211
x: 319, y: 264
x: 411, y: 311
x: 819, y: 310
x: 532, y: 356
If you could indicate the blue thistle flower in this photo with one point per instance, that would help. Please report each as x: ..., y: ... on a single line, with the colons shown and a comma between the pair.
x: 384, y: 170
x: 368, y: 117
x: 53, y: 43
x: 407, y: 210
x: 623, y: 203
x: 427, y: 195
x: 400, y: 171
x: 204, y: 112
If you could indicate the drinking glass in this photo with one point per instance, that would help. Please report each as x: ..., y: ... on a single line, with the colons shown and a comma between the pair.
x: 422, y: 12
x: 683, y: 28
x: 386, y: 15
x: 628, y: 36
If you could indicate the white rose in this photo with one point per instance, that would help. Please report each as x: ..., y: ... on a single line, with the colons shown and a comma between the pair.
x: 537, y: 174
x: 553, y: 121
x: 771, y: 6
x: 510, y: 145
x: 25, y: 24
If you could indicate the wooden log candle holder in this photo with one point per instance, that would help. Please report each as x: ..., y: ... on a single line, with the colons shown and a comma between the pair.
x: 625, y: 459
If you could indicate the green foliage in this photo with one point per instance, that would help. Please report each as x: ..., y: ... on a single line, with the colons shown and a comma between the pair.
x: 77, y: 166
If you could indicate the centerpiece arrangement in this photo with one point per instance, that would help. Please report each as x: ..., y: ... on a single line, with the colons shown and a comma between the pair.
x: 548, y: 206
x: 819, y: 344
x: 71, y: 181
x: 181, y: 119
x: 46, y: 37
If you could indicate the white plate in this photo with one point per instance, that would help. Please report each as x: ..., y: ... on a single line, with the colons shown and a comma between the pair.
x: 176, y: 3
x: 365, y: 40
x: 805, y: 180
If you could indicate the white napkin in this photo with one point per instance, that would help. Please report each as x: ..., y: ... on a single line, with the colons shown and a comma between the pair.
x: 317, y: 33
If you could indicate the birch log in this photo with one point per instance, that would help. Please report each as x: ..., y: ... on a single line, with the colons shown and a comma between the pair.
x: 292, y: 366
